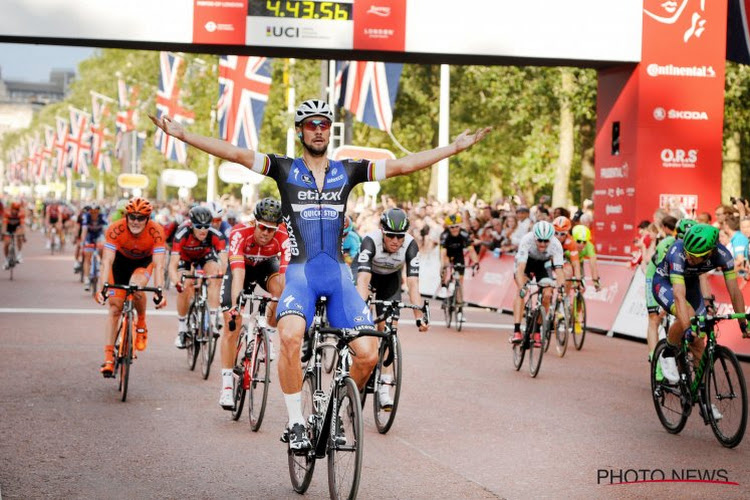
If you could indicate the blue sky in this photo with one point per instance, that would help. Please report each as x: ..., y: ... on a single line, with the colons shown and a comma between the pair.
x: 33, y: 63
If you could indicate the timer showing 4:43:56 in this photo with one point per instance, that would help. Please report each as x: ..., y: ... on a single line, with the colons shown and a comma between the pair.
x: 301, y: 9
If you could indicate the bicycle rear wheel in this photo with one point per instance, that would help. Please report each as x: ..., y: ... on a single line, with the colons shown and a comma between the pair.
x: 259, y: 381
x: 535, y: 353
x: 126, y: 347
x: 579, y: 320
x: 387, y: 374
x: 206, y: 337
x: 725, y: 389
x: 241, y: 366
x: 192, y: 347
x: 458, y: 300
x: 448, y: 311
x: 345, y: 446
x: 668, y: 399
x: 301, y: 467
x: 561, y: 329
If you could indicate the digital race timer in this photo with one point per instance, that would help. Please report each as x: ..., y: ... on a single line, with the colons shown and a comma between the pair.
x: 301, y: 9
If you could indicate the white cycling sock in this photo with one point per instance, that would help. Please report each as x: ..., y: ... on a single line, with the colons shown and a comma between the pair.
x: 182, y: 327
x: 294, y: 408
x: 226, y: 378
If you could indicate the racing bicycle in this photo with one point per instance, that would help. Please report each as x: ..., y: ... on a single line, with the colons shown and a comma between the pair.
x: 125, y: 340
x: 716, y: 385
x: 388, y: 372
x: 12, y: 258
x: 251, y: 371
x: 577, y: 312
x: 532, y: 325
x: 334, y: 417
x: 200, y: 337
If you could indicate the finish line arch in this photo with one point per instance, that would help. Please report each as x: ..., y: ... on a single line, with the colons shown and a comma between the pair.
x: 661, y: 67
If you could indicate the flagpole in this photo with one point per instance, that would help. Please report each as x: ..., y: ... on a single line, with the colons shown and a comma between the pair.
x: 443, y: 131
x: 290, y: 98
x: 211, y: 180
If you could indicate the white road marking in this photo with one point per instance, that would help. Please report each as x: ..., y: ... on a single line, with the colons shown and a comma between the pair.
x: 103, y: 311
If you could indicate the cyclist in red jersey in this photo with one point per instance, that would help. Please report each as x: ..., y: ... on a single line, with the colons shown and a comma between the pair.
x: 196, y: 244
x: 13, y: 222
x: 258, y: 253
x: 53, y: 218
x: 134, y: 250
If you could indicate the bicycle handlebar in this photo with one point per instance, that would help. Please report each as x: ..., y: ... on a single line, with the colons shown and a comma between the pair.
x: 719, y: 317
x: 130, y: 289
x: 425, y: 308
x: 243, y: 297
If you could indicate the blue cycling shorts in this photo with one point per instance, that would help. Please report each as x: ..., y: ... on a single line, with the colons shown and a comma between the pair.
x: 322, y: 276
x: 664, y: 295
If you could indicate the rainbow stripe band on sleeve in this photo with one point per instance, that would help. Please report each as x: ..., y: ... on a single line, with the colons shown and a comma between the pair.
x: 376, y: 170
x: 160, y: 250
x: 110, y: 246
x: 261, y: 164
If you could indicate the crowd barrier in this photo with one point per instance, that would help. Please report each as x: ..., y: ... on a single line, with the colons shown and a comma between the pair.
x: 618, y: 308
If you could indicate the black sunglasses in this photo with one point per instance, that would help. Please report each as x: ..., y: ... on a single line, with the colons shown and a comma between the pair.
x: 399, y: 236
x: 136, y: 217
x: 201, y: 226
x: 542, y: 241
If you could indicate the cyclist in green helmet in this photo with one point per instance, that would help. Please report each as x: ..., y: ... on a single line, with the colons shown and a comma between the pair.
x: 678, y: 289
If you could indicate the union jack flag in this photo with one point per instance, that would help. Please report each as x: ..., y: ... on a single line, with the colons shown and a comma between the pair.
x: 79, y: 145
x: 127, y: 116
x: 244, y: 84
x: 168, y: 103
x: 61, y: 145
x: 368, y: 90
x: 99, y: 133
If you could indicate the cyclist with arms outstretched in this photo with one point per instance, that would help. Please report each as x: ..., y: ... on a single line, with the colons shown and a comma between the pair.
x: 314, y: 191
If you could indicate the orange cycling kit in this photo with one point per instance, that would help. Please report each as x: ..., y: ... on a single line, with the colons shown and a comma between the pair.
x: 133, y: 253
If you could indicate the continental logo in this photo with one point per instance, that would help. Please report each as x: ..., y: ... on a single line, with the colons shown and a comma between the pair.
x: 656, y: 70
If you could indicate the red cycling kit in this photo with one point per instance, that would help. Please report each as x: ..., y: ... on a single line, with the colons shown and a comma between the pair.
x: 260, y: 262
x: 192, y: 251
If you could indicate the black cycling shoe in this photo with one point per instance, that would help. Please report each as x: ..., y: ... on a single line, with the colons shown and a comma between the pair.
x: 297, y: 438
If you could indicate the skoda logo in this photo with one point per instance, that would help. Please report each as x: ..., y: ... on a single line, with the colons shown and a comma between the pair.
x: 659, y: 114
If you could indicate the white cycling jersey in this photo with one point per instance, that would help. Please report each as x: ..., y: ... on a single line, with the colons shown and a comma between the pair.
x: 527, y: 249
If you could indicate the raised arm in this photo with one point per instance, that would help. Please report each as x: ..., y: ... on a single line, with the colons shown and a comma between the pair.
x: 210, y: 145
x: 423, y: 159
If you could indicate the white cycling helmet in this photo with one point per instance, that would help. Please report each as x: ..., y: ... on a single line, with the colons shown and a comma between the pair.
x: 217, y: 211
x: 543, y: 230
x: 312, y: 107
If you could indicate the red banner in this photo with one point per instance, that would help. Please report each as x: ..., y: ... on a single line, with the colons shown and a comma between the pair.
x: 380, y: 25
x: 494, y: 286
x: 659, y: 132
x: 219, y: 21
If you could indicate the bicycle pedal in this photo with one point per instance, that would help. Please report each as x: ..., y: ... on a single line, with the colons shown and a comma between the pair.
x: 285, y: 436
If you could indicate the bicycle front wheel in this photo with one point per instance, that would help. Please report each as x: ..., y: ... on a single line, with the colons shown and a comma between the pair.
x: 206, y: 336
x: 519, y: 348
x: 126, y: 347
x: 301, y: 467
x: 668, y: 399
x: 259, y: 381
x: 345, y: 443
x: 192, y: 348
x: 241, y: 366
x: 561, y: 329
x: 579, y: 320
x: 536, y: 352
x: 448, y: 311
x: 725, y: 390
x: 387, y: 384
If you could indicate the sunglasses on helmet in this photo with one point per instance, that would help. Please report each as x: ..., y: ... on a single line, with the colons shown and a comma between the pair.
x: 312, y: 125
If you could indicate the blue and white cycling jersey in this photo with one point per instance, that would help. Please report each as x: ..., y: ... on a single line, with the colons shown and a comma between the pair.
x: 314, y: 218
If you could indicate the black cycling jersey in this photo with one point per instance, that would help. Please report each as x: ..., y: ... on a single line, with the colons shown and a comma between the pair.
x: 454, y: 245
